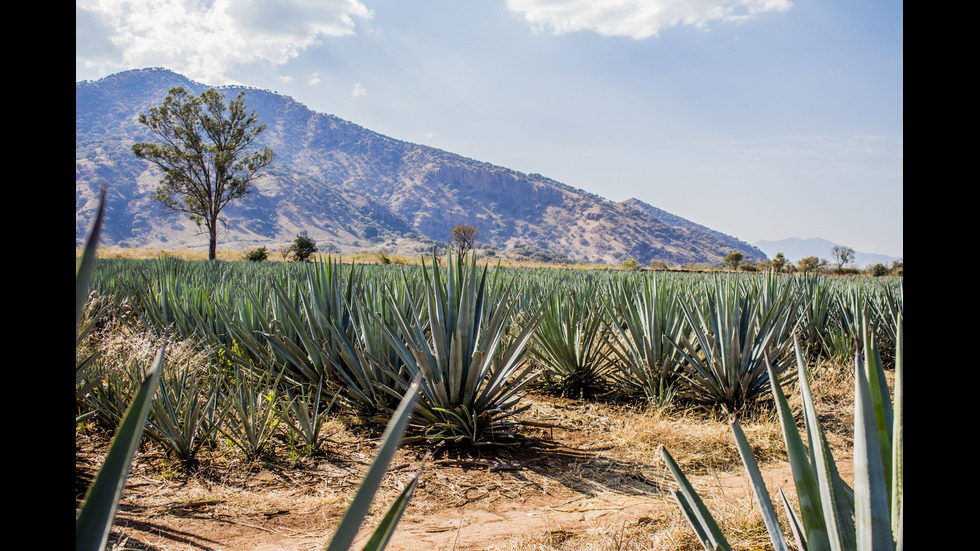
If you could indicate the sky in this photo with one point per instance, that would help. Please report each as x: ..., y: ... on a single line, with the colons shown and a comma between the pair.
x: 762, y: 119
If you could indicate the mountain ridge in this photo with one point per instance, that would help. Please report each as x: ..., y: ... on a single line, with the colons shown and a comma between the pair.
x: 351, y: 188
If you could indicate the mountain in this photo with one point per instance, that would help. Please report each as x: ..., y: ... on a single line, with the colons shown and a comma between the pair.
x: 353, y: 189
x: 795, y: 248
x: 695, y: 230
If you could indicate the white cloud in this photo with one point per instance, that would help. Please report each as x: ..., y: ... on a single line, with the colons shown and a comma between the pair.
x: 637, y: 19
x: 359, y: 90
x: 314, y: 79
x: 204, y: 39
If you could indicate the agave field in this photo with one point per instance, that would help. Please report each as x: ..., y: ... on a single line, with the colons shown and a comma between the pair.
x: 282, y: 349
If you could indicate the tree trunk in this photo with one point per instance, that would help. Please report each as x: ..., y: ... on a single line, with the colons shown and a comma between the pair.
x: 213, y: 237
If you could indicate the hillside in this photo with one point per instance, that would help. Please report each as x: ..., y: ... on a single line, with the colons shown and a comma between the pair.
x: 353, y: 189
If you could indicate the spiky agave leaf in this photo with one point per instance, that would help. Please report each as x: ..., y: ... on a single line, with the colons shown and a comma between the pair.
x: 94, y: 519
x: 697, y: 514
x: 357, y: 511
x: 827, y: 505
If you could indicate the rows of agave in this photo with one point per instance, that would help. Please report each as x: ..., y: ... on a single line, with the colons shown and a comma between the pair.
x: 481, y: 336
x: 175, y: 404
x: 452, y: 350
x: 463, y: 331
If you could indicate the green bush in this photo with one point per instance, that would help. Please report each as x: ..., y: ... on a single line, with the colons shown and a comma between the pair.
x: 303, y: 248
x: 257, y: 255
x: 878, y: 270
x: 631, y: 264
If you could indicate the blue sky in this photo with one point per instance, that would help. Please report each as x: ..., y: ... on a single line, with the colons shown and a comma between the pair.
x: 763, y: 119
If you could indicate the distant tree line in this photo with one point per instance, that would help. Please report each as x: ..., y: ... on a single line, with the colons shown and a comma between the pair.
x: 840, y: 263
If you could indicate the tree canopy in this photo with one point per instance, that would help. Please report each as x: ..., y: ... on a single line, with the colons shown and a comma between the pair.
x: 779, y: 262
x: 463, y: 237
x: 808, y: 264
x: 303, y: 248
x: 207, y: 152
x: 842, y: 256
x: 733, y: 259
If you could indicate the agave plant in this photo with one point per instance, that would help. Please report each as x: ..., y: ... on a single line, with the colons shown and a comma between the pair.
x: 647, y: 322
x: 571, y: 342
x: 471, y: 371
x: 818, y: 310
x: 734, y: 330
x: 305, y: 415
x: 251, y: 403
x: 832, y: 515
x: 187, y: 412
x: 367, y: 365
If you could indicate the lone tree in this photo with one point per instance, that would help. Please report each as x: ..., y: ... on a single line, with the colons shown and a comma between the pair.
x: 303, y: 248
x: 207, y: 153
x: 733, y: 259
x: 842, y: 256
x: 463, y: 238
x: 779, y: 262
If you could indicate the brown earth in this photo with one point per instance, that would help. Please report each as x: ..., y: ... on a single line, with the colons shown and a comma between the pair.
x: 591, y: 481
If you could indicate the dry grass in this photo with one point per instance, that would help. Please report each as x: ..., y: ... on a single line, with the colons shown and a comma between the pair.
x: 121, y: 346
x: 142, y: 253
x: 702, y: 443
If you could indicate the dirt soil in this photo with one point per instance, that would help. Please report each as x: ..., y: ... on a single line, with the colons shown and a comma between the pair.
x: 569, y: 486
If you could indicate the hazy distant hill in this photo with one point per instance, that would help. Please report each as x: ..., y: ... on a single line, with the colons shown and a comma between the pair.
x: 795, y: 248
x: 352, y: 189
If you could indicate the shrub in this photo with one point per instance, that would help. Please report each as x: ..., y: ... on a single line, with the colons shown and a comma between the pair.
x: 257, y: 255
x: 878, y: 270
x: 898, y: 267
x: 537, y: 254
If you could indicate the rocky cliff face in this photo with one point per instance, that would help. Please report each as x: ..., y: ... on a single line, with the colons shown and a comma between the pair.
x: 353, y: 189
